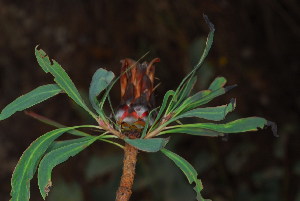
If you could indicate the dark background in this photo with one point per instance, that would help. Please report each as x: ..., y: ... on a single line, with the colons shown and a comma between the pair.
x: 256, y: 46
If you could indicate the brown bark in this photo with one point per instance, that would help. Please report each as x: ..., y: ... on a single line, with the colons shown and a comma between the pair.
x: 125, y: 189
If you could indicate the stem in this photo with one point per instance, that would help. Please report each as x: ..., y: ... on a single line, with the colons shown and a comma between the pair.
x: 130, y: 157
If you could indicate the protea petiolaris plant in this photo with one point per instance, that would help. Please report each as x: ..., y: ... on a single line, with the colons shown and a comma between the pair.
x: 134, y: 126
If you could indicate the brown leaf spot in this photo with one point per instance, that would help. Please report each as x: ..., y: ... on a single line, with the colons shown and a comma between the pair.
x: 47, y: 187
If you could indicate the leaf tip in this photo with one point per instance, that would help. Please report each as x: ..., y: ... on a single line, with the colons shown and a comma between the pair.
x: 273, y: 126
x: 36, y: 47
x: 47, y: 189
x: 233, y: 103
x: 208, y: 22
x: 230, y: 87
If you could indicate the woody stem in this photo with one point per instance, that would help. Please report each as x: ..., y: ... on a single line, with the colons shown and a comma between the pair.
x: 125, y: 189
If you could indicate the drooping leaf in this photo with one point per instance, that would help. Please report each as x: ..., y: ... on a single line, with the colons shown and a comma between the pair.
x: 237, y: 126
x: 218, y: 83
x: 30, y: 99
x: 148, y: 145
x: 54, y: 158
x: 210, y: 113
x: 28, y: 162
x: 61, y: 78
x: 101, y: 79
x: 189, y: 171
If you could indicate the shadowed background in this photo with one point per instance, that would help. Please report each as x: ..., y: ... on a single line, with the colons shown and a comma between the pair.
x: 256, y: 46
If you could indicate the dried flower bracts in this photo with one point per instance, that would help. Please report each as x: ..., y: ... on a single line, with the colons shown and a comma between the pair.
x: 137, y: 85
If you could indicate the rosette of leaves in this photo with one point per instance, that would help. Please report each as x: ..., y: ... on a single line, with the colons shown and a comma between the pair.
x: 46, y: 152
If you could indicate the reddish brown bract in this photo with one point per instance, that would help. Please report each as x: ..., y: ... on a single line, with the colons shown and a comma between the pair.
x: 137, y: 85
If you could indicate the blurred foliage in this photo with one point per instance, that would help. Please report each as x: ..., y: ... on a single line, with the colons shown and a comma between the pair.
x: 255, y: 46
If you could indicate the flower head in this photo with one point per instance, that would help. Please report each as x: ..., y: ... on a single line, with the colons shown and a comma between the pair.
x: 137, y: 99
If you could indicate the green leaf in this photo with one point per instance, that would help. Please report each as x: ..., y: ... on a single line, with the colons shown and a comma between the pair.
x: 148, y: 145
x: 192, y: 101
x: 61, y: 78
x: 193, y: 131
x: 188, y: 170
x: 30, y: 99
x: 209, y: 43
x: 210, y: 113
x: 218, y: 83
x: 150, y: 116
x: 60, y: 144
x: 185, y: 92
x: 73, y: 132
x: 237, y: 126
x: 28, y: 162
x: 54, y: 158
x: 166, y: 101
x: 101, y: 79
x: 202, y: 98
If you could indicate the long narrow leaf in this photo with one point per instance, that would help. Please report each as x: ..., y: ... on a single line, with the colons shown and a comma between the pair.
x: 148, y: 145
x: 101, y: 79
x: 166, y: 102
x: 185, y: 92
x: 193, y: 100
x: 148, y: 121
x: 30, y: 99
x: 60, y: 144
x: 63, y: 143
x: 237, y: 126
x: 54, y: 158
x: 193, y: 131
x: 28, y: 162
x: 209, y: 42
x: 61, y: 78
x: 210, y: 113
x: 202, y: 98
x: 189, y: 171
